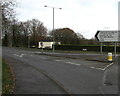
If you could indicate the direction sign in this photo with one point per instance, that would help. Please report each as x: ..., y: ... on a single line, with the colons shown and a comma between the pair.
x: 108, y: 36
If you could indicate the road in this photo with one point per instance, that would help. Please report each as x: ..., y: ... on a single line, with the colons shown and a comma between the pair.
x: 65, y: 75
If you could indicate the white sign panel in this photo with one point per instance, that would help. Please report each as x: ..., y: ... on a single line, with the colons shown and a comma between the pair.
x: 108, y: 36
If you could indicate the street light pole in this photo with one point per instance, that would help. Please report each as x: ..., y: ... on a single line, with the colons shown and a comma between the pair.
x: 53, y: 33
x: 53, y: 26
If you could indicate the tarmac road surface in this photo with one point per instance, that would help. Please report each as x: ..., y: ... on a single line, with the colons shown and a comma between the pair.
x: 41, y: 74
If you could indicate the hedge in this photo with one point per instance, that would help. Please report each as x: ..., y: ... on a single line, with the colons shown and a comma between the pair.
x: 88, y: 47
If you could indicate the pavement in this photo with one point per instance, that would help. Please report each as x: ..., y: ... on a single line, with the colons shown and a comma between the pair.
x: 29, y: 80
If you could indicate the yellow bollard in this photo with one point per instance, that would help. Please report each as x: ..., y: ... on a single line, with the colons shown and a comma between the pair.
x: 110, y: 57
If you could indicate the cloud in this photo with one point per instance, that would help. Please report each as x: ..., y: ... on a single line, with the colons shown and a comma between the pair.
x: 85, y: 16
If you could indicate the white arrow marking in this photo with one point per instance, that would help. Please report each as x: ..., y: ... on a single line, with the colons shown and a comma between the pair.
x: 19, y: 55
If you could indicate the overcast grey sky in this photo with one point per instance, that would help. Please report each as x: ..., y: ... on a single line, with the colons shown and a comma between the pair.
x: 83, y: 16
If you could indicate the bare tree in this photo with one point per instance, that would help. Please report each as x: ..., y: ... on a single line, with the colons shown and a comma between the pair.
x: 8, y: 7
x: 37, y: 31
x: 8, y: 16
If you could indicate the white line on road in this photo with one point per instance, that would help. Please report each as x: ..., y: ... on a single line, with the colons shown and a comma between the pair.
x: 73, y: 63
x: 73, y: 54
x: 59, y: 60
x: 16, y: 55
x: 102, y: 68
x: 69, y: 62
x: 19, y: 55
x: 97, y: 68
x: 108, y: 66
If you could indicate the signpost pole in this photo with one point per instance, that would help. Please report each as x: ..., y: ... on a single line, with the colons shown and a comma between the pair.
x: 115, y: 49
x: 41, y: 47
x: 101, y: 48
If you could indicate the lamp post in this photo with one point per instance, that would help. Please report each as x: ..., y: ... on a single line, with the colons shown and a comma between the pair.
x: 53, y: 25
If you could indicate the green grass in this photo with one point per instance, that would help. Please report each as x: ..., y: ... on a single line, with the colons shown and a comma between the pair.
x: 7, y: 79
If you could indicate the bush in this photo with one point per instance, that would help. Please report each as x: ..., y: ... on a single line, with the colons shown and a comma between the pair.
x: 88, y: 47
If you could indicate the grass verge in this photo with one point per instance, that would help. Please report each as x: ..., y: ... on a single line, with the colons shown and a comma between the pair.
x: 7, y: 79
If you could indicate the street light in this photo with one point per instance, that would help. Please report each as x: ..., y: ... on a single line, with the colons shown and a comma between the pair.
x: 53, y: 24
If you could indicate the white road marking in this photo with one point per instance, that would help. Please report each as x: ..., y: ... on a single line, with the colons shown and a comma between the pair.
x: 97, y: 68
x: 59, y: 60
x: 19, y: 55
x: 16, y: 55
x: 102, y: 68
x: 108, y: 66
x: 73, y: 63
x: 73, y: 54
x: 69, y: 62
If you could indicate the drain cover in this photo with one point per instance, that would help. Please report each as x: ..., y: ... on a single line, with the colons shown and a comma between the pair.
x: 108, y: 83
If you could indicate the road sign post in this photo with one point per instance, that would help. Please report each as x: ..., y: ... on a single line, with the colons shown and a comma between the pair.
x: 41, y: 47
x: 108, y: 36
x: 101, y: 48
x: 115, y: 49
